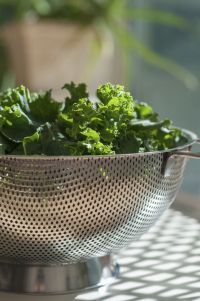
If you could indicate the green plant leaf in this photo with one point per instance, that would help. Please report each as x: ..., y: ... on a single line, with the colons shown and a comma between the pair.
x: 32, y: 145
x: 43, y: 107
x: 157, y: 16
x: 76, y: 92
x: 2, y: 149
x: 171, y: 67
x: 53, y: 142
x: 16, y: 96
x: 47, y: 140
x: 131, y: 42
x: 128, y: 144
x: 91, y: 135
x: 16, y: 124
x: 7, y: 146
x: 107, y: 92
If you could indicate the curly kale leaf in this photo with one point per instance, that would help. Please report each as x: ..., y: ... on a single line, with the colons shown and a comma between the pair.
x: 15, y: 124
x: 145, y: 111
x: 47, y: 140
x: 76, y: 92
x: 77, y: 118
x: 108, y: 91
x: 18, y: 96
x: 159, y: 135
x: 44, y: 108
x: 115, y: 110
x: 80, y: 125
x: 6, y: 146
x: 93, y: 144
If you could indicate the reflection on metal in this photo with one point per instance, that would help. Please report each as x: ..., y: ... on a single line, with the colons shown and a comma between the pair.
x: 57, y: 279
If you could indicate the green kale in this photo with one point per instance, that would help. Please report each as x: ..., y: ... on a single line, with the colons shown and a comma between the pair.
x: 76, y: 93
x: 44, y: 108
x: 15, y: 124
x: 36, y: 124
x: 6, y: 146
x: 18, y: 96
x: 115, y: 110
x: 47, y: 140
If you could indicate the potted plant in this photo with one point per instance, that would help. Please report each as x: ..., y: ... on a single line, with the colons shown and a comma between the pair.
x: 50, y: 42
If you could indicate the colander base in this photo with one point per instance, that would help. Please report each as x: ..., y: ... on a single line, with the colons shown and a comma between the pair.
x: 57, y: 279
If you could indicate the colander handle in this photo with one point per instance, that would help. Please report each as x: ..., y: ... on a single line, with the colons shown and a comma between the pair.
x: 188, y: 154
x: 169, y: 163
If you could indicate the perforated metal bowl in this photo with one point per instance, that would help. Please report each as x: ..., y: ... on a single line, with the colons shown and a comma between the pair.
x: 67, y: 209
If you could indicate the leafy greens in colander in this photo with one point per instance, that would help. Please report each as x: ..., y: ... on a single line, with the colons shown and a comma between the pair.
x: 36, y: 124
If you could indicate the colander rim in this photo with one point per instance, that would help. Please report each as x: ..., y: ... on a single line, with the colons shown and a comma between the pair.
x: 191, y: 136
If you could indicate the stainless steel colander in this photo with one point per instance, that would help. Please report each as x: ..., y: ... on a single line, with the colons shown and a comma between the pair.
x: 64, y: 210
x: 58, y: 210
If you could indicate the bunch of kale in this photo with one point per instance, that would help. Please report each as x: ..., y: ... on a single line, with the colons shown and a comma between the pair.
x: 36, y: 124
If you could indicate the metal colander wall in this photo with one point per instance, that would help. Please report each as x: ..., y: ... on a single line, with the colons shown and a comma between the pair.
x: 67, y: 209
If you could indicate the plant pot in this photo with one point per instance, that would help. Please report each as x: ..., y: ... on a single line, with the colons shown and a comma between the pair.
x: 49, y: 54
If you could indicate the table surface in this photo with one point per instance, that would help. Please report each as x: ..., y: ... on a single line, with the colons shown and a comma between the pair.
x: 163, y: 265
